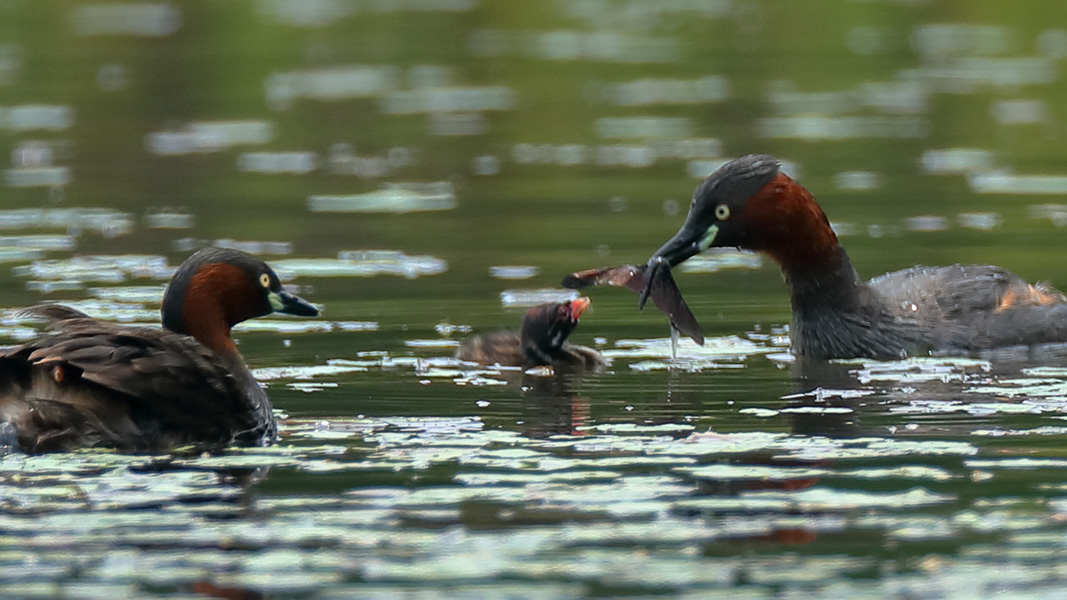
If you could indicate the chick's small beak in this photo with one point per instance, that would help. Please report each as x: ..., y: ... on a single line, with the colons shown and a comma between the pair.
x: 284, y: 302
x: 578, y: 306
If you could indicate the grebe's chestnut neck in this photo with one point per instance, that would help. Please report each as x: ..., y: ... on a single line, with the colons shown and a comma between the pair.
x: 749, y: 203
x: 217, y: 288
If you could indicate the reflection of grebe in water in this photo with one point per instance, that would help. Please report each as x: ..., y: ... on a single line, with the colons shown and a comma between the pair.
x: 551, y: 407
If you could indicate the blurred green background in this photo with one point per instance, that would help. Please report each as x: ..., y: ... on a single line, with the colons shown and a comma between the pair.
x: 859, y: 97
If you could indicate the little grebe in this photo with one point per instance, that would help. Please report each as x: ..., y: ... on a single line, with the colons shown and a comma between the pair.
x: 542, y: 341
x: 94, y: 383
x: 749, y: 203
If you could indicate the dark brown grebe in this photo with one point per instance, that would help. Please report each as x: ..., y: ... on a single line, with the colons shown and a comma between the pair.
x: 749, y: 203
x: 94, y: 383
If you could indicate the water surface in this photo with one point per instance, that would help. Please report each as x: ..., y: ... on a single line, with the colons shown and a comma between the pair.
x: 428, y: 169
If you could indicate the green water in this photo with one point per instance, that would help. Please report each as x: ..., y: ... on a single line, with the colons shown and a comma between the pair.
x: 561, y: 136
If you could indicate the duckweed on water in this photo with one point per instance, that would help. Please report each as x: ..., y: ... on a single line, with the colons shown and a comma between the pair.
x: 396, y: 198
x: 38, y: 242
x: 920, y: 370
x: 569, y: 507
x: 722, y: 348
x: 104, y: 268
x: 98, y: 219
x: 513, y: 271
x: 527, y: 298
x: 144, y: 294
x: 721, y: 258
x: 361, y: 263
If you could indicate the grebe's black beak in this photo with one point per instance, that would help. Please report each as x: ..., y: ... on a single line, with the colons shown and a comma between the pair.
x: 284, y: 302
x: 691, y: 239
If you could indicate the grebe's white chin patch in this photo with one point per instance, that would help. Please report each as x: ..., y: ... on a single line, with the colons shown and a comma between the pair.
x: 276, y: 302
x: 709, y: 237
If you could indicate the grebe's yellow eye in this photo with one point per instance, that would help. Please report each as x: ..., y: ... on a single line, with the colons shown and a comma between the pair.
x: 722, y: 212
x: 264, y: 280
